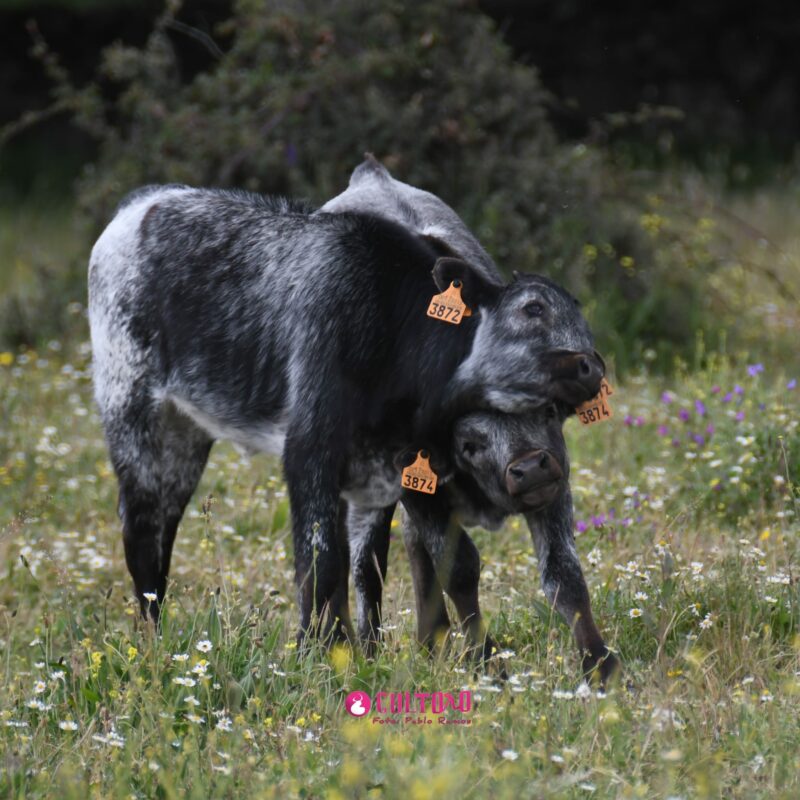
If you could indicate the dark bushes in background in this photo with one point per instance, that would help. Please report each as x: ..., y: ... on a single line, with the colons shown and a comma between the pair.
x: 305, y: 87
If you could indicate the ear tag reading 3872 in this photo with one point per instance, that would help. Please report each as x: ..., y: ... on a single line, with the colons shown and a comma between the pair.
x: 419, y: 477
x: 448, y: 306
x: 598, y: 409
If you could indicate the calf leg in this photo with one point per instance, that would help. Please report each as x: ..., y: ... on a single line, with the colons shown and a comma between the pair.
x: 433, y: 622
x: 158, y: 458
x: 341, y: 596
x: 368, y: 535
x: 564, y: 584
x: 134, y: 435
x: 185, y: 452
x: 462, y: 588
x: 455, y: 561
x: 312, y: 463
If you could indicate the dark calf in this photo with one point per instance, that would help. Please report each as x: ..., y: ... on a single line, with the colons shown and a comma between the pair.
x: 228, y: 315
x: 499, y: 467
x: 502, y: 465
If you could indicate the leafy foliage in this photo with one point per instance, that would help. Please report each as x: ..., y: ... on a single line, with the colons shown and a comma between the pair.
x: 306, y: 88
x: 294, y: 93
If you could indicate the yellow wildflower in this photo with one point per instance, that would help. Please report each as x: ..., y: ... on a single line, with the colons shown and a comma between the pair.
x: 96, y: 659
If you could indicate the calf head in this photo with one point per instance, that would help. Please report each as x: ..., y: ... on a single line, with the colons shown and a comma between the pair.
x: 519, y: 462
x: 532, y: 344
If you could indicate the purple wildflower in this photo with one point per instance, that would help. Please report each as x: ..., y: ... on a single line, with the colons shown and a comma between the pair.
x: 666, y: 398
x: 710, y: 429
x: 628, y: 419
x: 754, y: 369
x: 684, y: 415
x: 739, y: 416
x: 738, y: 389
x: 676, y: 442
x: 598, y: 521
x: 699, y: 439
x: 792, y: 384
x: 581, y: 526
x: 663, y: 430
x: 700, y: 407
x: 715, y: 389
x: 638, y: 422
x: 727, y: 398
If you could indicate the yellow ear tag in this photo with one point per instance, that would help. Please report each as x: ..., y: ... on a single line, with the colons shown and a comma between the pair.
x: 419, y: 477
x: 598, y: 409
x: 448, y: 306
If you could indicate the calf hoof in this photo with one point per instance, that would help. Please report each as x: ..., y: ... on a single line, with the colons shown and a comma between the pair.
x: 150, y: 606
x: 436, y: 643
x: 337, y: 631
x: 369, y: 643
x: 325, y: 634
x: 486, y: 650
x: 603, y: 670
x: 485, y: 654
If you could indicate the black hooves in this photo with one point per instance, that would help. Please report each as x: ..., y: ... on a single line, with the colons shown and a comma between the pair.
x: 604, y: 669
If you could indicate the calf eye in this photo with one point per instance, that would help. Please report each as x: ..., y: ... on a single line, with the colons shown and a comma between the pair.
x: 534, y: 309
x: 470, y: 448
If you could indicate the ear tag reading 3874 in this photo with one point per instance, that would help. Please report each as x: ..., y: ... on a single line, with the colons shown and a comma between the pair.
x: 419, y: 477
x: 598, y: 409
x: 448, y: 306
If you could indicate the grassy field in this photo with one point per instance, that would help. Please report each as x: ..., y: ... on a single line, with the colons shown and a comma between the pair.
x: 687, y: 526
x: 687, y: 529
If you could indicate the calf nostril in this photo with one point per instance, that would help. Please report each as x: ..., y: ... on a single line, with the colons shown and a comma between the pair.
x: 584, y: 366
x: 544, y: 461
x: 516, y: 473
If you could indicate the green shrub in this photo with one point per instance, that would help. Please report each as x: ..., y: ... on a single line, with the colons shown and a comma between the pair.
x: 305, y: 87
x: 43, y: 254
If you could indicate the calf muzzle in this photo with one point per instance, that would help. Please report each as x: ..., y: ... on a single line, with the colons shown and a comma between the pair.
x: 534, y: 479
x: 576, y: 376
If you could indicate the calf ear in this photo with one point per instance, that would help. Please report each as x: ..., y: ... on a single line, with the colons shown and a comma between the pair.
x: 476, y: 289
x: 408, y: 455
x: 404, y: 458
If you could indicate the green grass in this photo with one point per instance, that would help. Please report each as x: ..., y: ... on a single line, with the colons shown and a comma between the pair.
x: 43, y: 255
x: 693, y: 580
x: 703, y: 541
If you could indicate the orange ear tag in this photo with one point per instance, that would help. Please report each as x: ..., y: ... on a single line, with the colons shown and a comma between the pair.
x: 598, y: 409
x: 448, y: 306
x: 419, y: 477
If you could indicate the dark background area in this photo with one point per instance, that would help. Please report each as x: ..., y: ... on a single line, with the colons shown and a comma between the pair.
x: 732, y: 69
